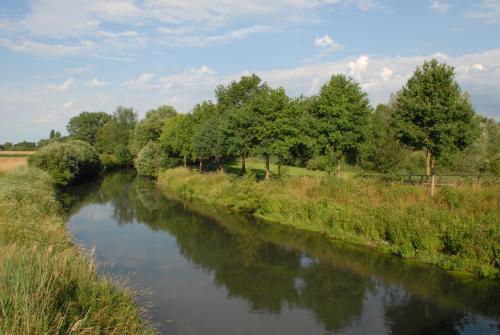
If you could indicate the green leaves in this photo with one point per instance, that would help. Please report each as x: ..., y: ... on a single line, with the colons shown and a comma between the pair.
x: 432, y: 112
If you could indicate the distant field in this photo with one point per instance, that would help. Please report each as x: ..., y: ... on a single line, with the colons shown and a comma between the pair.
x: 11, y: 153
x: 8, y: 163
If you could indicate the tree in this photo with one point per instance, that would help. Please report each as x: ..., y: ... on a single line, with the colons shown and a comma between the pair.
x: 177, y: 136
x: 114, y: 138
x: 433, y: 114
x: 341, y: 110
x: 150, y: 128
x: 235, y: 102
x: 269, y: 107
x: 85, y: 126
x: 382, y: 151
x: 209, y: 140
x: 52, y: 134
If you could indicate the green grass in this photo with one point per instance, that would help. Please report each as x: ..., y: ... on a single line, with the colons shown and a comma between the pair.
x: 458, y: 230
x: 256, y: 166
x: 47, y: 286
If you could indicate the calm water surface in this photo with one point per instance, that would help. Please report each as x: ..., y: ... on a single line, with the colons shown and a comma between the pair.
x: 211, y: 272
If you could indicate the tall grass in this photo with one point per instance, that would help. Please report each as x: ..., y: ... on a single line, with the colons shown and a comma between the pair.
x: 46, y: 285
x: 458, y: 230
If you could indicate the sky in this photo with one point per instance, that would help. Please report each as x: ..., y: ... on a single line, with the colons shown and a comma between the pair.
x: 61, y: 57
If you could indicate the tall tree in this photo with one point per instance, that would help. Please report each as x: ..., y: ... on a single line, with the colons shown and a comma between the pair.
x: 382, y: 151
x: 177, y: 136
x: 150, y: 128
x: 234, y: 101
x: 85, y: 126
x: 342, y: 110
x: 433, y: 114
x: 269, y: 107
x: 115, y: 136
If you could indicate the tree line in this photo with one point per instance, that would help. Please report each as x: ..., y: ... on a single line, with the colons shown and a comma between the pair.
x: 429, y: 124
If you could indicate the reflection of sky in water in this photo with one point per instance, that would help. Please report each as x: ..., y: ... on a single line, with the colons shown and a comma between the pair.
x: 205, y: 280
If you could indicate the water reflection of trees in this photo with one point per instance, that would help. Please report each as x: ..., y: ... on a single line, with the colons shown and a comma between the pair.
x: 263, y: 264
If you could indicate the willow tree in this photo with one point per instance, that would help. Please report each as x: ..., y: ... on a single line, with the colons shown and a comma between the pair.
x: 433, y: 114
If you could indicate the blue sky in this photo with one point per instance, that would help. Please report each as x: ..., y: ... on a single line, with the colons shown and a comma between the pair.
x: 59, y: 58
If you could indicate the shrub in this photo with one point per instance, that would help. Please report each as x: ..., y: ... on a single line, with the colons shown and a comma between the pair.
x: 148, y: 160
x: 67, y: 162
x: 321, y: 163
x: 244, y: 197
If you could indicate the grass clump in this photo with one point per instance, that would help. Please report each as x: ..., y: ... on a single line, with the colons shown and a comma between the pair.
x: 46, y: 285
x: 458, y: 230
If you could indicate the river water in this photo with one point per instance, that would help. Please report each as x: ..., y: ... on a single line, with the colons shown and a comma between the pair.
x: 205, y: 271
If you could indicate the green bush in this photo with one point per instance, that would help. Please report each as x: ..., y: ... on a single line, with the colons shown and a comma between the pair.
x: 321, y: 163
x: 148, y: 160
x: 67, y: 162
x: 243, y: 197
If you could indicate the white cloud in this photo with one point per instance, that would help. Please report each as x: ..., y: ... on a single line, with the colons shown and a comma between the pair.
x: 140, y: 81
x: 41, y: 49
x: 63, y: 87
x: 439, y: 6
x: 386, y: 73
x: 478, y: 67
x: 96, y: 83
x: 68, y: 104
x: 193, y: 77
x: 358, y: 67
x: 486, y: 10
x: 327, y: 42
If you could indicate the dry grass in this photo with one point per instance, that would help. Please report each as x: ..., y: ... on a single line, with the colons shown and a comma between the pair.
x: 10, y: 163
x: 16, y: 153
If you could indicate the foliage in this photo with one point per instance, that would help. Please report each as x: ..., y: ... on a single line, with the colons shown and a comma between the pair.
x: 85, y: 126
x: 433, y: 114
x: 458, y: 230
x: 342, y: 110
x: 46, y: 285
x: 151, y: 127
x: 67, y: 162
x: 148, y: 160
x: 115, y: 137
x: 382, y: 152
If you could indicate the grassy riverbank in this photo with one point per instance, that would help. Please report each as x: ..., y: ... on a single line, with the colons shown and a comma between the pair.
x: 458, y: 230
x: 46, y: 285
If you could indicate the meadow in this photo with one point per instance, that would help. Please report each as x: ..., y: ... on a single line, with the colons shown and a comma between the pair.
x: 10, y: 160
x: 47, y: 286
x: 458, y: 230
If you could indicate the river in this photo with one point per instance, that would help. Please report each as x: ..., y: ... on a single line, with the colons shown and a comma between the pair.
x: 202, y: 270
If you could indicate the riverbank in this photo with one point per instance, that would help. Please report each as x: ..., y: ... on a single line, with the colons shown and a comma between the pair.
x: 459, y: 230
x: 46, y: 285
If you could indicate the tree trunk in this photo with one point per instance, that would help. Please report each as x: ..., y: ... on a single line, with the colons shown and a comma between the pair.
x: 201, y: 165
x: 243, y: 165
x: 428, y: 158
x: 267, y: 168
x: 185, y: 161
x: 279, y: 169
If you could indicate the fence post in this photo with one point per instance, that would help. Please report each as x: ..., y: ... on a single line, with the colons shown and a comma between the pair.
x: 433, y: 180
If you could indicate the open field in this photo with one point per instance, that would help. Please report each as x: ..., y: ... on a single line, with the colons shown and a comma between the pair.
x: 458, y: 230
x: 11, y: 153
x: 9, y: 163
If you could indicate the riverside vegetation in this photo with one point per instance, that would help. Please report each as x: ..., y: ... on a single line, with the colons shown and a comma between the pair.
x: 458, y: 230
x: 429, y: 126
x: 47, y: 286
